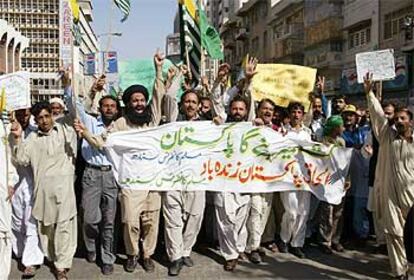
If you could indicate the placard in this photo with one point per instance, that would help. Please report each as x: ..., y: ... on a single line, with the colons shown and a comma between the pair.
x: 380, y: 63
x: 17, y: 88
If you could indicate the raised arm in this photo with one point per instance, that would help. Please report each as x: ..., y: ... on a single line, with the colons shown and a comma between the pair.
x: 20, y: 150
x: 379, y: 122
x: 218, y: 91
x: 159, y: 89
x: 250, y: 71
x: 170, y: 105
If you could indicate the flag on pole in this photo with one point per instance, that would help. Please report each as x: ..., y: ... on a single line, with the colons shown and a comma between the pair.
x: 3, y: 107
x: 210, y: 39
x: 124, y: 6
x: 3, y: 100
x: 190, y: 38
x: 74, y: 6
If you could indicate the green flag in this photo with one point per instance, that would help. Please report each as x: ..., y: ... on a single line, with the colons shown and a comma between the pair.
x: 210, y: 39
x: 140, y: 71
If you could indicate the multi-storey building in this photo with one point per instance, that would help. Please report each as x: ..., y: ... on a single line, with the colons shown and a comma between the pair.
x: 38, y: 20
x: 12, y: 44
x: 361, y: 34
x: 394, y: 34
x: 254, y: 14
x: 324, y: 40
x: 286, y: 26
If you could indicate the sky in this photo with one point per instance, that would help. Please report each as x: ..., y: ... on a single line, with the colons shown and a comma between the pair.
x: 145, y: 30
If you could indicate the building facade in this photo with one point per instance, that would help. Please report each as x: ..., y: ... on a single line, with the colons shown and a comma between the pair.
x: 38, y: 20
x: 286, y: 26
x: 12, y: 45
x: 324, y: 40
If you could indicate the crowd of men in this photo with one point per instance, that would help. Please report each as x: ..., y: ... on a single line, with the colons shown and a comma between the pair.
x: 39, y: 211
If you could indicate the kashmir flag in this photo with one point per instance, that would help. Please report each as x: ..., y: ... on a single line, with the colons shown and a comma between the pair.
x: 210, y: 38
x: 124, y: 6
x: 190, y: 38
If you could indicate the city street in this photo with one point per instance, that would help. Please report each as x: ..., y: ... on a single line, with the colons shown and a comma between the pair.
x: 349, y: 265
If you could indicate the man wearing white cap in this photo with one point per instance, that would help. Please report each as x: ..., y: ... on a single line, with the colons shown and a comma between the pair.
x: 58, y: 107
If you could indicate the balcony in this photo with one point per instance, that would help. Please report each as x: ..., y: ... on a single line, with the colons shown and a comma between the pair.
x: 288, y: 47
x: 230, y: 44
x: 324, y: 59
x: 242, y: 34
x: 294, y: 31
x: 327, y: 29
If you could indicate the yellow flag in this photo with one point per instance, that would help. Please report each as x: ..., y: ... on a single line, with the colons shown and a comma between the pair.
x: 190, y: 6
x: 75, y: 10
x: 244, y: 61
x: 3, y: 100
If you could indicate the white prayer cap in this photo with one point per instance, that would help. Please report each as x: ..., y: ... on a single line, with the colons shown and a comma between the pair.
x: 57, y: 100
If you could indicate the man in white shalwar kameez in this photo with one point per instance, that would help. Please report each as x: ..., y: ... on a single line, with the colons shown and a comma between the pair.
x: 397, y: 189
x: 8, y: 177
x: 232, y: 208
x: 296, y: 203
x: 261, y: 203
x: 26, y: 243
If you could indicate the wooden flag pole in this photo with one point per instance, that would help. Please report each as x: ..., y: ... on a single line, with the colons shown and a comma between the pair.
x: 111, y: 16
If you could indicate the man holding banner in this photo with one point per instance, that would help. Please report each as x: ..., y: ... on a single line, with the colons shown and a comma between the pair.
x: 261, y: 203
x: 232, y: 209
x: 296, y: 204
x: 140, y: 210
x: 99, y: 188
x: 183, y: 210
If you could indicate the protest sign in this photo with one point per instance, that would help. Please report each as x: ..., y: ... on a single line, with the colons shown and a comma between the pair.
x: 140, y: 71
x: 284, y: 83
x: 234, y: 157
x: 17, y: 88
x: 380, y: 63
x: 91, y: 65
x: 111, y: 62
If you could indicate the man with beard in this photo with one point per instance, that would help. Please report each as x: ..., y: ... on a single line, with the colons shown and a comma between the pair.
x: 397, y: 194
x: 206, y: 108
x: 338, y: 104
x: 232, y: 208
x: 295, y: 203
x: 373, y: 150
x: 261, y: 203
x: 99, y: 188
x: 51, y: 153
x: 140, y: 210
x: 58, y: 107
x: 26, y: 243
x: 318, y: 116
x: 183, y: 210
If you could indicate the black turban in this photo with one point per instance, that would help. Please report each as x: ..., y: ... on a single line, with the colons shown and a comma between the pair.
x: 134, y: 89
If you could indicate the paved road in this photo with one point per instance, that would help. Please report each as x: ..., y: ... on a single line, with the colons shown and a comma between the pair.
x: 352, y: 264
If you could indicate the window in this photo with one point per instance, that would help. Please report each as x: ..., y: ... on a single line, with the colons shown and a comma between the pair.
x: 359, y: 37
x: 393, y: 22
